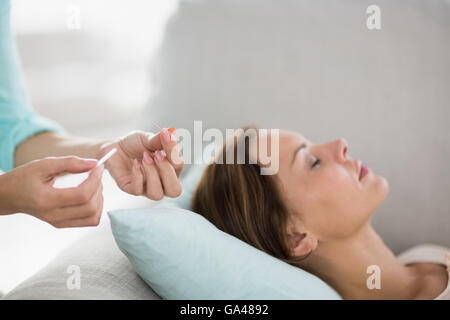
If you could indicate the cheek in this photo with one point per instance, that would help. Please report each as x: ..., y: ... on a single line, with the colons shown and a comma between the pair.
x: 334, y: 204
x: 335, y: 188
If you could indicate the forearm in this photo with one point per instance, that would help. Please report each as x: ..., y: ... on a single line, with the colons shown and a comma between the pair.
x: 5, y: 205
x: 50, y: 144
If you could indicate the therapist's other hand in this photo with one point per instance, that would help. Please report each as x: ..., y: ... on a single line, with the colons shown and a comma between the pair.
x: 140, y: 168
x: 30, y: 190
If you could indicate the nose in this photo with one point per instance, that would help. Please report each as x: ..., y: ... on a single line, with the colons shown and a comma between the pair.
x: 342, y: 150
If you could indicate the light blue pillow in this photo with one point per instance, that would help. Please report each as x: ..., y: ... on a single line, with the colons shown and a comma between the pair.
x: 181, y: 255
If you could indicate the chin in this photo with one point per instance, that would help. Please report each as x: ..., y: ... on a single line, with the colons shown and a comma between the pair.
x: 384, y: 183
x: 381, y: 188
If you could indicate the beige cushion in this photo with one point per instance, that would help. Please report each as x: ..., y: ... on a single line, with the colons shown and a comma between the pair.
x: 105, y: 273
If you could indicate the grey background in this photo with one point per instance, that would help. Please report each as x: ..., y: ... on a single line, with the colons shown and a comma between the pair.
x: 314, y: 67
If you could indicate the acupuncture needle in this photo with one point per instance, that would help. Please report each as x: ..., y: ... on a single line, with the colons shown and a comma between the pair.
x: 157, y: 126
x: 171, y: 129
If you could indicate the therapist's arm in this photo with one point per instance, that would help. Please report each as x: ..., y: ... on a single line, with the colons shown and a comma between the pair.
x: 52, y: 144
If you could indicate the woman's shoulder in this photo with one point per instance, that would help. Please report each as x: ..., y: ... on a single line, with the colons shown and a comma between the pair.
x: 426, y: 253
x: 430, y: 260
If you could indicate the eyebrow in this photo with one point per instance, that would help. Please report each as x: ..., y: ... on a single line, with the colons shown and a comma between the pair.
x: 303, y: 145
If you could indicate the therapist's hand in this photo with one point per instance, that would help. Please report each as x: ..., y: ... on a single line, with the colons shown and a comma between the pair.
x: 139, y: 167
x: 29, y: 189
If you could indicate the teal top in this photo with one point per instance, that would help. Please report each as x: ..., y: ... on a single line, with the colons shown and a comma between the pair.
x: 18, y: 119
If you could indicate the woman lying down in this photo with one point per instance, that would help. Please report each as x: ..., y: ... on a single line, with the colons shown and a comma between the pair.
x: 315, y: 214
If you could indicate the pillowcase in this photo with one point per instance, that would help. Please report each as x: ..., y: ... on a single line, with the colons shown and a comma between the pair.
x: 181, y: 255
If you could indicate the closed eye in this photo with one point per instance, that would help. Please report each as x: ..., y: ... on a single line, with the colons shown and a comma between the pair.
x: 317, y: 162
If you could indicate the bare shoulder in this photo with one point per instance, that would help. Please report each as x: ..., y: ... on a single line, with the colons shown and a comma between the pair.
x: 428, y: 262
x: 433, y: 279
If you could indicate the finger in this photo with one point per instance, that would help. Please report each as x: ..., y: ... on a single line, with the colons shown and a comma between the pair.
x: 136, y: 185
x: 83, y: 193
x: 57, y: 165
x: 165, y: 140
x: 89, y: 215
x: 77, y: 212
x: 170, y: 182
x: 153, y: 186
x: 152, y: 141
x: 172, y: 150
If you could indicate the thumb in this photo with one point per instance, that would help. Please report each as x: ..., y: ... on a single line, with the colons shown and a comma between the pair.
x: 160, y: 141
x: 71, y: 164
x: 153, y: 141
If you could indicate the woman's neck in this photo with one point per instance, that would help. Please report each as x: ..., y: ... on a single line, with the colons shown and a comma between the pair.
x: 344, y: 265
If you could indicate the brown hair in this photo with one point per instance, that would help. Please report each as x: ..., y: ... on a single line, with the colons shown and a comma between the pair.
x: 241, y: 201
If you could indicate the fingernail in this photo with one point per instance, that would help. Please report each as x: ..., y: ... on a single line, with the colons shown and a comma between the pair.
x: 147, y: 158
x: 172, y: 129
x: 165, y: 135
x: 159, y: 156
x: 136, y: 164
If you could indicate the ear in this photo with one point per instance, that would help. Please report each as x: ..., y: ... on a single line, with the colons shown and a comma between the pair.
x: 301, y: 244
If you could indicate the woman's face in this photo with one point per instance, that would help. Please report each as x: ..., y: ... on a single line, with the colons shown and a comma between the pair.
x: 321, y: 187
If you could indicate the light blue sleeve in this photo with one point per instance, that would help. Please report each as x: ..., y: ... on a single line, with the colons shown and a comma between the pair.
x: 18, y: 120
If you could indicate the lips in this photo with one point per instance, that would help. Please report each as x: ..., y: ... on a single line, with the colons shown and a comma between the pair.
x: 363, y: 170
